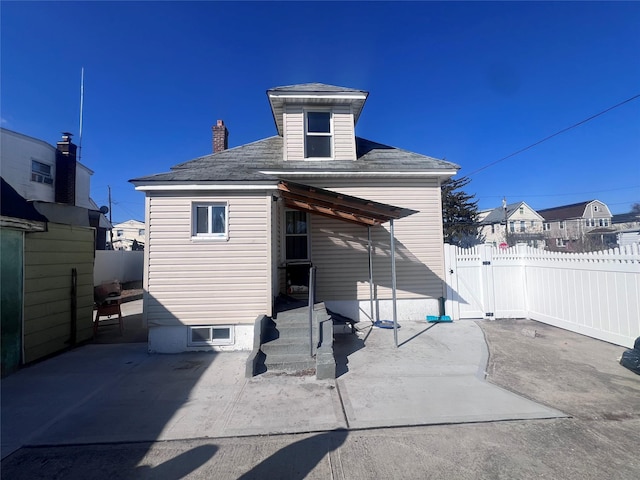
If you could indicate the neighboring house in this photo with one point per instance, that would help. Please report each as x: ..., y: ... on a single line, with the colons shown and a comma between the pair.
x: 37, y: 173
x: 129, y: 235
x: 47, y: 250
x: 627, y: 227
x: 581, y: 226
x: 230, y: 231
x: 511, y: 224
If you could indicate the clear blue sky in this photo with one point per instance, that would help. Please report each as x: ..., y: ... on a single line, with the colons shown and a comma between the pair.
x: 471, y: 82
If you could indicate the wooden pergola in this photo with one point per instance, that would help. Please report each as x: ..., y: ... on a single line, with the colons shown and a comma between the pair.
x: 347, y: 208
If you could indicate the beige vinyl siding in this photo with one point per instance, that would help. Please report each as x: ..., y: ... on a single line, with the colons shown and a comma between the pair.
x: 213, y: 281
x: 344, y: 144
x: 48, y: 259
x: 293, y: 129
x: 339, y: 249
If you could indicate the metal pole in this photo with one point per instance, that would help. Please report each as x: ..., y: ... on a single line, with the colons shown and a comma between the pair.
x: 311, y: 303
x: 370, y: 272
x: 81, y: 111
x: 393, y: 284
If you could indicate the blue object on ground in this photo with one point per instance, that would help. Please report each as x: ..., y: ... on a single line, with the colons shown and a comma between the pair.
x: 384, y: 324
x: 438, y: 319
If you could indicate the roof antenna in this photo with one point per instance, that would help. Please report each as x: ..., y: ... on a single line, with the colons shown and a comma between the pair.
x: 81, y: 109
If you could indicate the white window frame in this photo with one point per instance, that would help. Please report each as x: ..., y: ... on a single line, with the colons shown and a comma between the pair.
x: 546, y: 226
x: 561, y: 224
x: 141, y: 232
x: 39, y: 176
x: 331, y: 133
x: 211, y: 341
x: 209, y: 235
x: 522, y: 226
x: 285, y: 235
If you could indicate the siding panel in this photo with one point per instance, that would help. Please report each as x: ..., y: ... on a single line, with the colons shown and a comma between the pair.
x: 48, y: 260
x: 191, y: 282
x: 344, y: 145
x: 294, y: 132
x: 339, y: 249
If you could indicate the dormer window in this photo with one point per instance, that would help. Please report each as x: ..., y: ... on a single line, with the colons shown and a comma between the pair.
x: 318, y: 135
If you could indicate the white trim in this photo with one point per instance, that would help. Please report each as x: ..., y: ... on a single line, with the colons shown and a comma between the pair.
x: 356, y: 174
x: 195, y: 236
x: 199, y: 186
x: 346, y: 96
x: 331, y: 134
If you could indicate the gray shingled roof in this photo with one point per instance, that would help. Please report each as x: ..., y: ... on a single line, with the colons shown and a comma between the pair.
x: 244, y: 163
x: 497, y: 214
x: 314, y: 94
x: 315, y: 88
x: 565, y: 212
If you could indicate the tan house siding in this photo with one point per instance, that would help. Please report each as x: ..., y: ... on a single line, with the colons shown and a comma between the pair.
x: 48, y: 259
x: 339, y: 249
x: 293, y: 132
x: 344, y: 145
x: 195, y: 282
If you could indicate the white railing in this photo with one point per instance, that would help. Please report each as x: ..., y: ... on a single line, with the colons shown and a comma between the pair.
x: 595, y: 294
x: 122, y: 265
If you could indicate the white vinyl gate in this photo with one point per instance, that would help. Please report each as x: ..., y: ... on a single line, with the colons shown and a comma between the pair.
x: 595, y: 294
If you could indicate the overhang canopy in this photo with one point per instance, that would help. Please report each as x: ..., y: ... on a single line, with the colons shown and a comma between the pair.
x: 339, y: 206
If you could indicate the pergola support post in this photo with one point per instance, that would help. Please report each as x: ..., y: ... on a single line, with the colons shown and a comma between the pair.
x: 393, y: 283
x: 370, y: 273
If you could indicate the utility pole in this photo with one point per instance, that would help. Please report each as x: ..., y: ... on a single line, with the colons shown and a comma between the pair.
x: 506, y: 223
x: 110, y: 218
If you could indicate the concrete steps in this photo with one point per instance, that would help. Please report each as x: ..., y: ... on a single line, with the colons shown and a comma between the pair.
x: 289, y: 350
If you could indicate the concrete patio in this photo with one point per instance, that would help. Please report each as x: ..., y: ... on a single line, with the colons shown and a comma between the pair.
x: 104, y: 393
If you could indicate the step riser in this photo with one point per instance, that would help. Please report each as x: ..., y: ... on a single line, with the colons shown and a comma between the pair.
x: 285, y: 348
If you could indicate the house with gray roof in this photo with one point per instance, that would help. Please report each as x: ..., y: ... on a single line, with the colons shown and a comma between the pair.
x: 582, y: 226
x: 511, y: 224
x: 230, y: 232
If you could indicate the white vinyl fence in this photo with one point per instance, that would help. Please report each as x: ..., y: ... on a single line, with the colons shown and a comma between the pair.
x: 595, y: 294
x: 122, y: 265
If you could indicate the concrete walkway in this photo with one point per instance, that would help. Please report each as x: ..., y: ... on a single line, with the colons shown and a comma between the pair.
x: 119, y: 393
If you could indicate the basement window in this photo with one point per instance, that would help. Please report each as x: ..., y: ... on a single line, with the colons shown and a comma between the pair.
x: 210, y: 335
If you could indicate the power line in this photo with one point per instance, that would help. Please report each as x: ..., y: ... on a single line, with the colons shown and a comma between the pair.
x: 554, y: 135
x: 565, y: 194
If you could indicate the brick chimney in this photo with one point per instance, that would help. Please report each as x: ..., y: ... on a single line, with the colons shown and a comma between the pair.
x: 65, y: 182
x: 220, y: 137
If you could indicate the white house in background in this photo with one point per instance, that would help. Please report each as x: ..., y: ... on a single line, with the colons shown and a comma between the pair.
x: 38, y: 173
x: 579, y: 226
x: 230, y: 231
x: 523, y: 225
x: 126, y: 233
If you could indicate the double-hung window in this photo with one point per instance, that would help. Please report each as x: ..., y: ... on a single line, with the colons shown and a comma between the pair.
x: 210, y: 220
x: 318, y: 135
x: 41, y: 172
